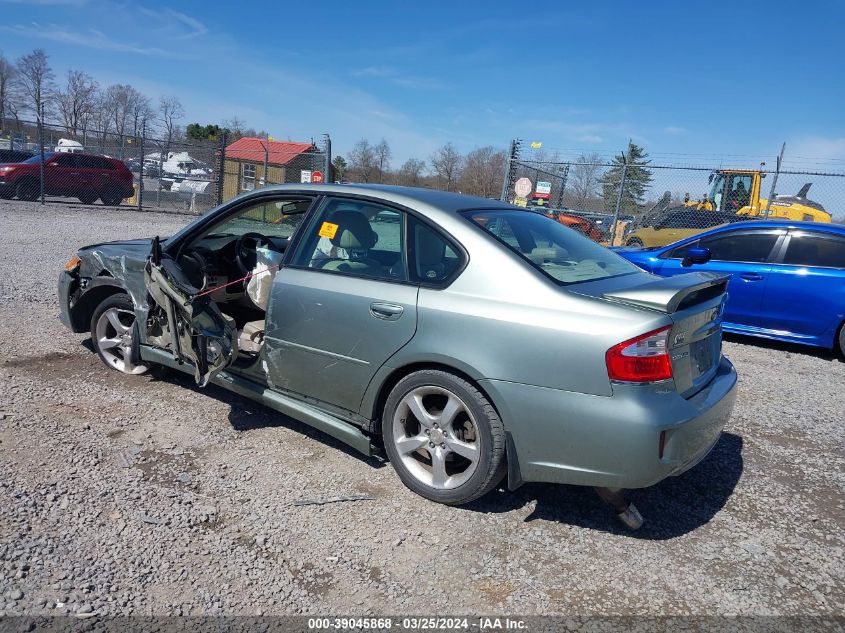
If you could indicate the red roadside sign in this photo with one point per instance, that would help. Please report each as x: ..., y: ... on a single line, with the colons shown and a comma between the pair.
x: 316, y: 177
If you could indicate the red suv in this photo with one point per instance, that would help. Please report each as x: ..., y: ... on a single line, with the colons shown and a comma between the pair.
x: 83, y: 176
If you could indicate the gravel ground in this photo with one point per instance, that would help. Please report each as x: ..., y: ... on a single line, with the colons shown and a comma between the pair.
x: 145, y: 495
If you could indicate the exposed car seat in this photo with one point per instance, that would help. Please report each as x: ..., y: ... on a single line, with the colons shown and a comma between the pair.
x: 251, y: 337
x: 356, y: 237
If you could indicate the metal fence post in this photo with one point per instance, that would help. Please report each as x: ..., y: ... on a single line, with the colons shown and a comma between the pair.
x: 328, y: 142
x: 513, y: 155
x: 221, y: 175
x: 141, y: 166
x: 774, y: 182
x: 625, y: 158
x: 41, y: 149
x: 563, y: 178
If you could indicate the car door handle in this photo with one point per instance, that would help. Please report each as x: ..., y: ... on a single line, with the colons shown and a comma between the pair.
x: 751, y: 276
x: 386, y: 311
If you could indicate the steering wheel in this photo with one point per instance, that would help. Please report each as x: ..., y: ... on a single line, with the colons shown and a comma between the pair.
x: 245, y: 247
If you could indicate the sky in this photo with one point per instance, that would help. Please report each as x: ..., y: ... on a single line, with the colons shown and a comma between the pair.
x: 688, y: 81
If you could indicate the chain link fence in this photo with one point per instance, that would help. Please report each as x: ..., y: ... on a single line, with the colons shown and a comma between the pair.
x: 624, y: 201
x: 48, y: 163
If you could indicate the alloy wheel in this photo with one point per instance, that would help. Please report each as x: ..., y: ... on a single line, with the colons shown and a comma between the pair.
x: 436, y: 437
x: 114, y: 340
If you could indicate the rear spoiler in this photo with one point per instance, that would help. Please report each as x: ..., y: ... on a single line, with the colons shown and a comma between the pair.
x: 670, y: 294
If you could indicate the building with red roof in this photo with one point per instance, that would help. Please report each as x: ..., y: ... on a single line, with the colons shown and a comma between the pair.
x: 253, y: 162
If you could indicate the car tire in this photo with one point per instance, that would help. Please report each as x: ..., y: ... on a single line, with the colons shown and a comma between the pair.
x: 27, y: 189
x: 111, y: 198
x: 88, y: 198
x: 842, y: 340
x: 112, y: 334
x: 443, y: 437
x: 634, y: 241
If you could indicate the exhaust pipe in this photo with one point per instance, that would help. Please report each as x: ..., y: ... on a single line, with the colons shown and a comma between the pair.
x: 626, y: 511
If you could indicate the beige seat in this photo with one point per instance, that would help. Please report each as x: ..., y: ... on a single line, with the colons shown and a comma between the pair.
x: 355, y: 237
x: 251, y: 337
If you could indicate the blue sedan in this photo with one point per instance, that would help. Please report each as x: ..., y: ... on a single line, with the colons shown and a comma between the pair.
x: 787, y: 278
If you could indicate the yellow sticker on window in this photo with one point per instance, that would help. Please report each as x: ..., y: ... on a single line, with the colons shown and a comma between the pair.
x: 328, y: 230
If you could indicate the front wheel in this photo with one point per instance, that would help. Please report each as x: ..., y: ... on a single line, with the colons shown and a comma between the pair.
x: 28, y: 190
x: 112, y: 333
x: 634, y: 241
x: 87, y: 198
x: 443, y: 437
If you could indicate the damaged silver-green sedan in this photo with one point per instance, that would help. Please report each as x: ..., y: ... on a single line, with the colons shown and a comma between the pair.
x: 472, y: 340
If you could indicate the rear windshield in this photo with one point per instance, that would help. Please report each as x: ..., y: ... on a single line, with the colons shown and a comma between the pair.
x: 561, y: 253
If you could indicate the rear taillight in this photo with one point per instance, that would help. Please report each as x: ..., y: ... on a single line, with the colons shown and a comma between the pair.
x: 641, y: 359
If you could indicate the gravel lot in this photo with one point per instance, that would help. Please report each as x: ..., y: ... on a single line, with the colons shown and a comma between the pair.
x: 146, y: 495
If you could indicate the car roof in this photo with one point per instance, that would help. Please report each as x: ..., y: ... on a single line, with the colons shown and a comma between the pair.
x: 784, y: 224
x: 407, y: 196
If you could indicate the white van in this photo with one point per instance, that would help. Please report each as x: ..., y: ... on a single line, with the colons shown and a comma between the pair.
x: 68, y: 146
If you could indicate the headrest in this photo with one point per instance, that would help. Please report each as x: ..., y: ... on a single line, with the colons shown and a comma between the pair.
x: 354, y: 231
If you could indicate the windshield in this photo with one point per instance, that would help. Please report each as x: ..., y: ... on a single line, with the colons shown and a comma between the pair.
x: 37, y: 158
x: 559, y: 252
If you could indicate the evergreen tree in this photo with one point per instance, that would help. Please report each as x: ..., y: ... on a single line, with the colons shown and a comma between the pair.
x: 637, y: 181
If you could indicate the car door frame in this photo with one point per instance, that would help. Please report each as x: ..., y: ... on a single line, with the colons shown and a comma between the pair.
x: 412, y: 216
x: 726, y: 230
x: 825, y: 336
x: 163, y: 289
x: 58, y: 179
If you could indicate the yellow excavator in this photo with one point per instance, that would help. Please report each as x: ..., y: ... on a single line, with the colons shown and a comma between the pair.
x: 738, y: 191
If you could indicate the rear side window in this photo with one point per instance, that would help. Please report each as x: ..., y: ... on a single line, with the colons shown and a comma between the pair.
x: 740, y: 247
x: 432, y: 258
x: 815, y: 250
x: 562, y: 254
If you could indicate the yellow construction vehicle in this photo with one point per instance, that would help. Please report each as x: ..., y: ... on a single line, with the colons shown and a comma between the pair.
x: 738, y: 191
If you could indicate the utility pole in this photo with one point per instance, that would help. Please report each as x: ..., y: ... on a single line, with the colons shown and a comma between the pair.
x: 774, y: 182
x: 626, y: 157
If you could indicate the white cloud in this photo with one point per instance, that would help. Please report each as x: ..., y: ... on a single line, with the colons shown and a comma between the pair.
x: 90, y: 38
x: 399, y: 78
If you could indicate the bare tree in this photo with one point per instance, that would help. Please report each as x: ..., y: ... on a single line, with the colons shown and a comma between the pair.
x: 446, y: 164
x: 127, y: 108
x: 363, y: 161
x: 141, y: 112
x: 483, y: 171
x: 170, y: 110
x: 411, y: 172
x: 585, y: 179
x: 7, y: 77
x: 383, y: 156
x: 78, y: 100
x: 35, y: 82
x: 235, y: 126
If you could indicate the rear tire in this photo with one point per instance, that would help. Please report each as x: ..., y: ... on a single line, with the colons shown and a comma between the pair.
x: 112, y: 334
x: 111, y: 198
x: 634, y: 241
x: 88, y: 198
x: 443, y: 437
x: 842, y: 340
x: 7, y: 193
x: 27, y: 189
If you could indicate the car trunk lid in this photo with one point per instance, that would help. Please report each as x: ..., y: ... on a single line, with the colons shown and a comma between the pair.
x: 695, y: 303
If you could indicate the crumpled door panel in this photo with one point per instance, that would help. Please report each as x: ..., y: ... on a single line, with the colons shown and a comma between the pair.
x: 204, y: 336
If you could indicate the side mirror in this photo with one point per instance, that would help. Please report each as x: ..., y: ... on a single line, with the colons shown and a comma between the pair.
x: 696, y: 255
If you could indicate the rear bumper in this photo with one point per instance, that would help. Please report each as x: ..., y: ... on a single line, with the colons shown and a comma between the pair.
x: 573, y: 438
